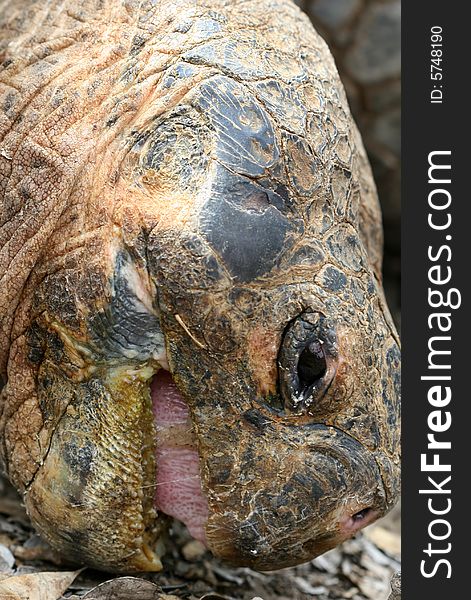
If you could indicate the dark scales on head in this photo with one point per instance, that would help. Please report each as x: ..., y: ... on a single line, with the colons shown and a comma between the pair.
x: 125, y: 328
x: 248, y: 219
x: 243, y: 224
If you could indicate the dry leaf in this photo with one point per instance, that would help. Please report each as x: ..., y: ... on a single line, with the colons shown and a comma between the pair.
x: 124, y: 588
x: 37, y: 586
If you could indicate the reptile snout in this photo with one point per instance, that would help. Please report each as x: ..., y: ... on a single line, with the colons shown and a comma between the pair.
x: 323, y: 488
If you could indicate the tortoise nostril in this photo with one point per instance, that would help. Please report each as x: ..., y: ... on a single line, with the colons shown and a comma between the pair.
x: 349, y: 524
x: 312, y: 364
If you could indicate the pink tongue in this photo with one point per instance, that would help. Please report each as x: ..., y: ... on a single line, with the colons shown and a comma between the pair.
x: 178, y: 492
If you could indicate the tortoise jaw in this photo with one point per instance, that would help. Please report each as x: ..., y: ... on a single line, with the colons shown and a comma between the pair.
x: 122, y: 459
x: 92, y: 496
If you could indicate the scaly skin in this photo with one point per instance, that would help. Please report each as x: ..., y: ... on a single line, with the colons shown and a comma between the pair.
x: 364, y: 37
x: 183, y: 182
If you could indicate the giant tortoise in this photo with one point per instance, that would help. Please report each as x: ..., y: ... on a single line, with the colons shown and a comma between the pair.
x: 192, y: 316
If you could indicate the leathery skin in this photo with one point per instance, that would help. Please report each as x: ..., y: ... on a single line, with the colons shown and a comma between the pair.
x: 184, y: 188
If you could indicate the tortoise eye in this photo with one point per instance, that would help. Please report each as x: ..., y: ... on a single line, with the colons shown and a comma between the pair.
x: 312, y: 364
x: 307, y: 360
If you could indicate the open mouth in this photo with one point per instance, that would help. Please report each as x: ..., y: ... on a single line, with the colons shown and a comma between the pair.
x: 178, y: 482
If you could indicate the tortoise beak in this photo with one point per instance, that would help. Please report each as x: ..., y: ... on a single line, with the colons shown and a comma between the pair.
x: 318, y: 494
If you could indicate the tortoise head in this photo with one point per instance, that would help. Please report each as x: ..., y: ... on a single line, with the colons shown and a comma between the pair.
x: 277, y: 333
x: 242, y: 254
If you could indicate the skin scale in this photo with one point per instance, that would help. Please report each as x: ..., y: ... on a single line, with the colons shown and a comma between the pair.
x: 183, y: 187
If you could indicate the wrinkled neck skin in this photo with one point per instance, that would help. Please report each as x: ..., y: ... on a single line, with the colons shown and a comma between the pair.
x: 185, y: 189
